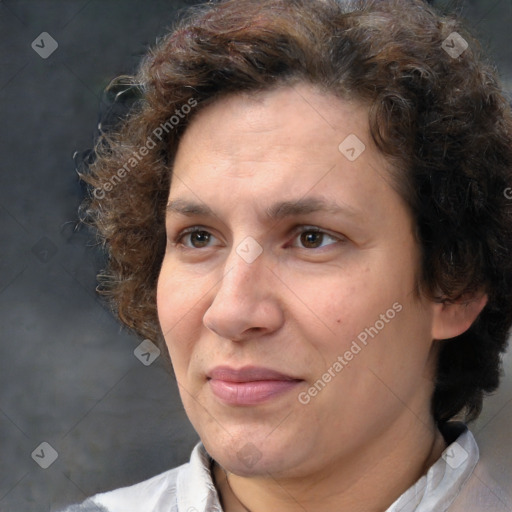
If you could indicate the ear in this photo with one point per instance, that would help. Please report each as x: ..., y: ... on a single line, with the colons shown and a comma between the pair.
x: 453, y: 318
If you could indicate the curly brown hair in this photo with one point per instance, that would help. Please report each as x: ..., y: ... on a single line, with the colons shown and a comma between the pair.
x: 439, y: 114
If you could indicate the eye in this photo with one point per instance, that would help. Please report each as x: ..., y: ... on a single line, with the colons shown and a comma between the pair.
x: 309, y: 237
x: 313, y: 238
x: 197, y: 238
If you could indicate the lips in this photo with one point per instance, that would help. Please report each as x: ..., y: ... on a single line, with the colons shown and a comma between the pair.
x: 249, y: 385
x: 246, y: 374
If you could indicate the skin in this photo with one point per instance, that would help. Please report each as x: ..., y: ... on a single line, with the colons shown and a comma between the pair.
x: 368, y: 435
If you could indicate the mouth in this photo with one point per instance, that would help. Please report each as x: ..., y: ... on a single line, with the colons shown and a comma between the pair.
x: 249, y: 385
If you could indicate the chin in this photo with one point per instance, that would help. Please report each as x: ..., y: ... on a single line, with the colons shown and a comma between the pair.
x: 247, y: 458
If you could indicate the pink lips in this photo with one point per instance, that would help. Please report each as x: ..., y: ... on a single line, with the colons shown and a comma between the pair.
x: 249, y: 385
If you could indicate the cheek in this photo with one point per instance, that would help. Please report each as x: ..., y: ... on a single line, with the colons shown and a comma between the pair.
x: 359, y: 313
x: 165, y: 303
x: 177, y: 310
x: 176, y: 294
x: 339, y: 304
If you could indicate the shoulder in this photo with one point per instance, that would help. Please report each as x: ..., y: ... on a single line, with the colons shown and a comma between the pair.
x: 482, y: 492
x: 186, y: 487
x: 144, y: 496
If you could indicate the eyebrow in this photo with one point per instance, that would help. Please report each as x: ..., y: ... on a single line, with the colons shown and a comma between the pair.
x: 276, y: 211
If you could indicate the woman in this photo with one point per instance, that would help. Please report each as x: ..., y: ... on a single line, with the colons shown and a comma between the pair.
x: 307, y: 211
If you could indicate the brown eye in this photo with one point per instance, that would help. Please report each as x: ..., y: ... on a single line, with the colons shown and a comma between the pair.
x: 311, y: 239
x: 199, y: 239
x: 314, y: 238
x: 194, y: 238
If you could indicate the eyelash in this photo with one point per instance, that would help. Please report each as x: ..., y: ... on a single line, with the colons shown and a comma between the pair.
x: 296, y: 232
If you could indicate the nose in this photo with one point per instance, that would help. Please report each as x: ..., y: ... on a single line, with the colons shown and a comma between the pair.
x: 245, y: 302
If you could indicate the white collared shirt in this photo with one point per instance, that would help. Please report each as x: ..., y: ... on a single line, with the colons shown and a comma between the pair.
x: 450, y: 484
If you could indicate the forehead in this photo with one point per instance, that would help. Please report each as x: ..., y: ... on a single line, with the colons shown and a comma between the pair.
x: 283, y: 116
x: 289, y: 142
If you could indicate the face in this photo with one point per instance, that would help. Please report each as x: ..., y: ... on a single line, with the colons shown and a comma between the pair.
x: 286, y: 291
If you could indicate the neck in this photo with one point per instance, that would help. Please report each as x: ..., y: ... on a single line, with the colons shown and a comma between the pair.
x: 370, y: 480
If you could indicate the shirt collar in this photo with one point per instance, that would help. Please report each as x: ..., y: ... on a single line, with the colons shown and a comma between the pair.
x: 435, y: 490
x: 443, y: 482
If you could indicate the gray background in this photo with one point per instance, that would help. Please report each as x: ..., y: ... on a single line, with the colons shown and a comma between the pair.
x: 68, y: 375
